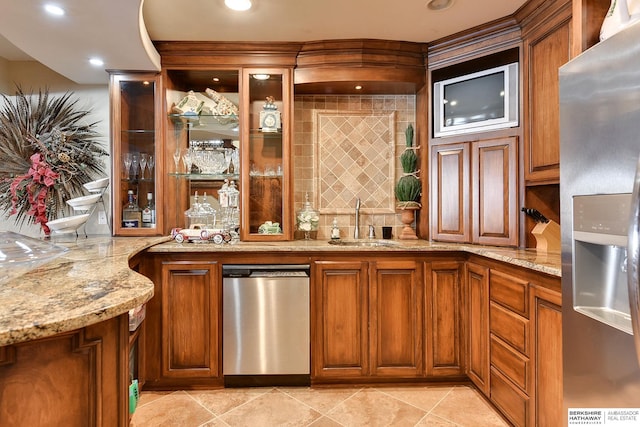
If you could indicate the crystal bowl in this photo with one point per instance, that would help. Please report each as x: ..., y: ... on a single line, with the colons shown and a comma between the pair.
x: 20, y: 254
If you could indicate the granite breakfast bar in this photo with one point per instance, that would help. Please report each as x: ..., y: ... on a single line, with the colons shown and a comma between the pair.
x: 64, y: 336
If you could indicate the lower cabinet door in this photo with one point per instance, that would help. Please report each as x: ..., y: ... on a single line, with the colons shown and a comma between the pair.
x: 340, y: 318
x: 190, y: 319
x: 477, y: 325
x: 396, y: 318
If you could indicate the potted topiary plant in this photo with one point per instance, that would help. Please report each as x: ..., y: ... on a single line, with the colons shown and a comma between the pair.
x: 408, y: 188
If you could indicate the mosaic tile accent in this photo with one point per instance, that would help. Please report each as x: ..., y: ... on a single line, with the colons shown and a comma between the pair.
x: 354, y: 157
x: 304, y: 157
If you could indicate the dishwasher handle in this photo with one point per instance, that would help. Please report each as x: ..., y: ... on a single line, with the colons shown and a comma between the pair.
x: 266, y: 270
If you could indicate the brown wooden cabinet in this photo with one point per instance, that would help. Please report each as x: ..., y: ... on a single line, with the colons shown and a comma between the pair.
x: 136, y: 151
x: 339, y: 313
x: 190, y: 319
x: 546, y: 347
x: 443, y: 319
x: 367, y: 319
x: 78, y: 378
x: 546, y: 47
x: 477, y: 325
x: 474, y: 189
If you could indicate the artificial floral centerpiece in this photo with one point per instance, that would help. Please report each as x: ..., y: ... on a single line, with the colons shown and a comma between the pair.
x: 48, y: 152
x: 408, y: 187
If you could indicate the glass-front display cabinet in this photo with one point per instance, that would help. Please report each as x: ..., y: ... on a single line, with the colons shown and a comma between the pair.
x: 202, y: 146
x: 135, y: 151
x: 265, y: 190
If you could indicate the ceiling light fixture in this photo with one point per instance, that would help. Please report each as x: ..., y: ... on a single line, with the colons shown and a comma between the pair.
x: 52, y: 9
x: 358, y: 87
x: 239, y: 5
x: 439, y: 4
x: 261, y: 76
x: 96, y: 62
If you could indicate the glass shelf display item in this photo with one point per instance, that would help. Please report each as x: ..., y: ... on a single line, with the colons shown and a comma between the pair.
x: 266, y: 118
x: 202, y: 142
x: 135, y: 149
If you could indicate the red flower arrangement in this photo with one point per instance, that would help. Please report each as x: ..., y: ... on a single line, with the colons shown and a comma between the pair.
x: 36, y: 184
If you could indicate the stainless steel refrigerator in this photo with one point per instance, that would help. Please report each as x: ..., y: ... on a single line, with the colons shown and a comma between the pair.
x: 599, y: 150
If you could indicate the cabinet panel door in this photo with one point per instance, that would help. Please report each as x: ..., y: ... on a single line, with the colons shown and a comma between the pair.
x: 396, y: 318
x: 545, y: 51
x: 495, y: 190
x: 339, y: 326
x: 443, y: 319
x: 450, y: 216
x: 546, y: 316
x: 477, y: 322
x: 190, y: 319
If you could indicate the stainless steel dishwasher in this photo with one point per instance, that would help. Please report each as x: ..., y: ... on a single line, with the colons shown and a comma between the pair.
x: 266, y: 336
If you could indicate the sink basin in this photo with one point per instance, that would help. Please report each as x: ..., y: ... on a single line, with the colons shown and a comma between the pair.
x: 363, y: 243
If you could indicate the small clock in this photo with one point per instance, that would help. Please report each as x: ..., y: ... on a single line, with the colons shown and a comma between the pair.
x: 270, y: 120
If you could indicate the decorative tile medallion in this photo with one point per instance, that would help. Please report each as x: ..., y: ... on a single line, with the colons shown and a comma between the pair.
x: 354, y: 156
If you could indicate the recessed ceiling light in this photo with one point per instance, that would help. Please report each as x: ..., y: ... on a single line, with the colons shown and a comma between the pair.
x: 358, y: 87
x: 261, y: 76
x: 97, y: 62
x: 238, y: 4
x: 439, y: 4
x: 54, y: 10
x: 216, y: 79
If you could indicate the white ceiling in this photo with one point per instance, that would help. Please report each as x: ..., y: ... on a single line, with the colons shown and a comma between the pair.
x: 119, y: 31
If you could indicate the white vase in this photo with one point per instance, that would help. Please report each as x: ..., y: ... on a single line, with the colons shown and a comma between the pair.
x: 620, y: 15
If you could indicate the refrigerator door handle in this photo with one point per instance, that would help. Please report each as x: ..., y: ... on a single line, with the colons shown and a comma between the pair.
x: 633, y: 259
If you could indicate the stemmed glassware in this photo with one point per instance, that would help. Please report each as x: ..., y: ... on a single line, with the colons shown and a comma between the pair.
x: 135, y: 160
x: 126, y: 161
x: 187, y: 159
x: 144, y: 158
x: 151, y: 163
x: 176, y: 159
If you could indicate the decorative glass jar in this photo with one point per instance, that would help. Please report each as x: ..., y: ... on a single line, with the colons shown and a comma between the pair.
x: 307, y: 218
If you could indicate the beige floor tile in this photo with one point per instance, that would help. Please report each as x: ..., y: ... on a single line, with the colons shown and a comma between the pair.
x: 150, y: 396
x: 425, y: 398
x: 371, y: 408
x: 325, y: 422
x: 320, y: 399
x: 224, y: 400
x: 435, y: 421
x: 271, y: 409
x: 175, y: 409
x: 464, y: 406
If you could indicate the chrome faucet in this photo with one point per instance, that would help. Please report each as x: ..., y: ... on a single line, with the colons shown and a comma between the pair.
x: 356, y: 231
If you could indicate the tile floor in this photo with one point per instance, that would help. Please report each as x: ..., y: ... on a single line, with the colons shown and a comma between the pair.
x: 432, y: 405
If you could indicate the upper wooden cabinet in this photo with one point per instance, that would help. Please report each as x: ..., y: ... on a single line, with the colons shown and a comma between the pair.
x: 474, y: 188
x: 546, y: 47
x: 266, y: 190
x: 136, y: 151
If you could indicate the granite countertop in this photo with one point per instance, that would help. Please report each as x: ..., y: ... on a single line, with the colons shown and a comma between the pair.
x: 90, y: 283
x: 548, y: 263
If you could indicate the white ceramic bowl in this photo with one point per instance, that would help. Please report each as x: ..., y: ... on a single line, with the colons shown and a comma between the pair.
x: 20, y: 254
x: 97, y: 186
x: 84, y: 203
x: 68, y: 224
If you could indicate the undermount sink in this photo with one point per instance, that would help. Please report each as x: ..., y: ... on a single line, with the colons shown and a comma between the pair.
x: 362, y: 243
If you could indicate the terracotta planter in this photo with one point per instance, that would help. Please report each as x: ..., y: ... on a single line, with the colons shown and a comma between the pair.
x: 407, y: 217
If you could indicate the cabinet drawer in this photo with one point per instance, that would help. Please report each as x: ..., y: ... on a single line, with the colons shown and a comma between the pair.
x: 510, y: 292
x: 510, y: 327
x: 513, y: 403
x: 510, y: 362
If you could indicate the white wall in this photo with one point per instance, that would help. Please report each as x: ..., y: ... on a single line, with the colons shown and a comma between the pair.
x: 32, y: 77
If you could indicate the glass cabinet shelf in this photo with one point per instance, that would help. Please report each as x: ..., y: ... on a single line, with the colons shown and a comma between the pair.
x: 206, y: 176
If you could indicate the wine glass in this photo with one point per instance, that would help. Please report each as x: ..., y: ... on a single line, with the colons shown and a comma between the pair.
x: 176, y: 159
x: 144, y: 158
x: 126, y: 161
x: 151, y: 163
x: 187, y: 159
x: 135, y: 161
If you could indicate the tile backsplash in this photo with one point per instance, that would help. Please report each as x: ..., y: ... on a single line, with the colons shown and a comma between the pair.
x: 349, y: 146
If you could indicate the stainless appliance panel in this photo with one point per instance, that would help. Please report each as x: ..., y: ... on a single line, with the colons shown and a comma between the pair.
x: 599, y: 148
x: 266, y: 326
